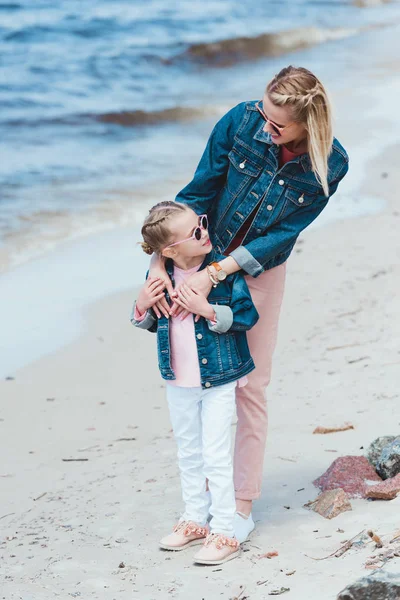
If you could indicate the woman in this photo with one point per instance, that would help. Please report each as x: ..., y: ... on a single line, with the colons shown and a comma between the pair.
x: 268, y: 170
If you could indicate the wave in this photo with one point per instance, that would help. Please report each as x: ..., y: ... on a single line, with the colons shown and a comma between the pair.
x: 231, y: 51
x: 131, y: 118
x: 125, y: 118
x: 370, y: 3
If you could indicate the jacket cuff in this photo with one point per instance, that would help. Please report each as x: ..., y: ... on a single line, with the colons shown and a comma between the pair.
x: 145, y: 322
x: 247, y: 262
x: 223, y: 318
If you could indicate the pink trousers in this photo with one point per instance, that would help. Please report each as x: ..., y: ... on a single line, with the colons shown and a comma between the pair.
x: 251, y: 403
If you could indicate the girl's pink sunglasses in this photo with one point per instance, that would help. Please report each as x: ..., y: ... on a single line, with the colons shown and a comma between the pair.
x: 196, y: 235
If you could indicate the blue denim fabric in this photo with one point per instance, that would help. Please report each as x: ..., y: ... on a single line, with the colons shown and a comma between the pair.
x: 222, y: 348
x: 238, y: 171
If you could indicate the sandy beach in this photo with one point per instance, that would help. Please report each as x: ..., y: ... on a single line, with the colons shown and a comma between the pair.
x: 89, y: 481
x: 67, y: 526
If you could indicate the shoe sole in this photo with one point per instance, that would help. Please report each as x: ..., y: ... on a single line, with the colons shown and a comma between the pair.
x: 180, y: 548
x: 217, y: 562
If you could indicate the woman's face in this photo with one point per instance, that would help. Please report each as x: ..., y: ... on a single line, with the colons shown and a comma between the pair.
x: 280, y: 123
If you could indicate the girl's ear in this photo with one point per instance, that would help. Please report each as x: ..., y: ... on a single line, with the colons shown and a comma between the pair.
x: 169, y: 253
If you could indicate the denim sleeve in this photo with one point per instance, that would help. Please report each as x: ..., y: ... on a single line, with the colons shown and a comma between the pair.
x: 149, y: 322
x: 210, y: 175
x: 241, y: 314
x: 281, y: 237
x: 223, y: 319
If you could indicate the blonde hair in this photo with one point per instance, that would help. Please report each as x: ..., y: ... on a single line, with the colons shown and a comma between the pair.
x: 309, y: 104
x: 155, y: 231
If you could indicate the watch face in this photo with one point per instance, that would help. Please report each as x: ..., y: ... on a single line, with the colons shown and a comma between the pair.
x: 221, y: 275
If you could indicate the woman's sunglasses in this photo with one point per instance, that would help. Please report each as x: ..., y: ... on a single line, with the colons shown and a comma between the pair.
x: 275, y: 128
x: 196, y: 235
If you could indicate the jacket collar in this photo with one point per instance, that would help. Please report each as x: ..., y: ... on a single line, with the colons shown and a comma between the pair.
x: 262, y: 136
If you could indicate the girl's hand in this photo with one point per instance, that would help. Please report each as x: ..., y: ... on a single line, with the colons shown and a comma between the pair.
x: 200, y: 283
x: 157, y: 271
x: 151, y: 292
x: 194, y: 302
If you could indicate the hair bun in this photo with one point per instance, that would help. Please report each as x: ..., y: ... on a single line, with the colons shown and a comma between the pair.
x: 146, y: 248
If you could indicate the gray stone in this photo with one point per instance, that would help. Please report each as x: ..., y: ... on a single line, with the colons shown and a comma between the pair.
x: 374, y: 450
x: 388, y: 464
x: 377, y: 586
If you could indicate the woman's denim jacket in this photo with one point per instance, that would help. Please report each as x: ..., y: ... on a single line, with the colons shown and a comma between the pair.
x: 238, y: 171
x: 222, y: 348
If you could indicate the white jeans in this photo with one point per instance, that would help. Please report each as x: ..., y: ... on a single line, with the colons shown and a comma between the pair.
x: 201, y: 421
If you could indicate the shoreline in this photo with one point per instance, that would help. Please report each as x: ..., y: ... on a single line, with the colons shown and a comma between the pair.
x: 56, y: 287
x: 100, y: 398
x: 365, y: 58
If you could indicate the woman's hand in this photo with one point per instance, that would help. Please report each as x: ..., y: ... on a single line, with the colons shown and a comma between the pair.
x: 194, y: 302
x: 198, y: 282
x: 151, y: 292
x: 157, y: 271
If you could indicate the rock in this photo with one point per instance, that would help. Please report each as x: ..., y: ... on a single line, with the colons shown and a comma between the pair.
x: 374, y: 450
x: 388, y: 464
x: 378, y: 586
x: 387, y: 490
x: 331, y: 503
x: 351, y: 474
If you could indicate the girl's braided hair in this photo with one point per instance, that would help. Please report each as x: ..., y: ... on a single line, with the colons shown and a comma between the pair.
x: 155, y: 231
x: 303, y: 93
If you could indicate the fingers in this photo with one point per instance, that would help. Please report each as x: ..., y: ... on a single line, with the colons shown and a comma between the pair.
x: 168, y: 285
x: 156, y: 283
x: 175, y: 308
x: 157, y: 310
x: 178, y: 308
x: 181, y: 304
x: 156, y: 290
x: 163, y: 307
x: 184, y: 293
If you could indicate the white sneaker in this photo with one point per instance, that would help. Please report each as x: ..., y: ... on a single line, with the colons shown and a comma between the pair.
x: 243, y: 525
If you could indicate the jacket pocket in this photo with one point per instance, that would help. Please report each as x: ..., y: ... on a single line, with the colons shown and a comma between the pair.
x: 242, y: 171
x: 294, y: 199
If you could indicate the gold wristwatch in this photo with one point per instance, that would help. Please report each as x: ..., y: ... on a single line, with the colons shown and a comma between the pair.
x: 221, y: 274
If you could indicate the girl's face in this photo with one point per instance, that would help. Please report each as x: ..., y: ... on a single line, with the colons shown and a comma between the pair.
x: 279, y: 123
x: 183, y: 242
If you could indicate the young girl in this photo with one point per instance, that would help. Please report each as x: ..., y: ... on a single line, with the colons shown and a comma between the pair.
x: 203, y: 359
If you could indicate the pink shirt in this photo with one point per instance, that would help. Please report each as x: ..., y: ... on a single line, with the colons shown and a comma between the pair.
x: 184, y: 357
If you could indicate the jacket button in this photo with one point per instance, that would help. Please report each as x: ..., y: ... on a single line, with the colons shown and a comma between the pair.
x: 207, y: 384
x: 204, y: 360
x: 301, y: 199
x: 269, y: 207
x: 281, y: 182
x: 199, y: 336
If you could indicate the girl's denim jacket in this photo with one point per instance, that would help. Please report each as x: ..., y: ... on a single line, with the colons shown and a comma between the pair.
x: 239, y: 171
x: 222, y: 348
